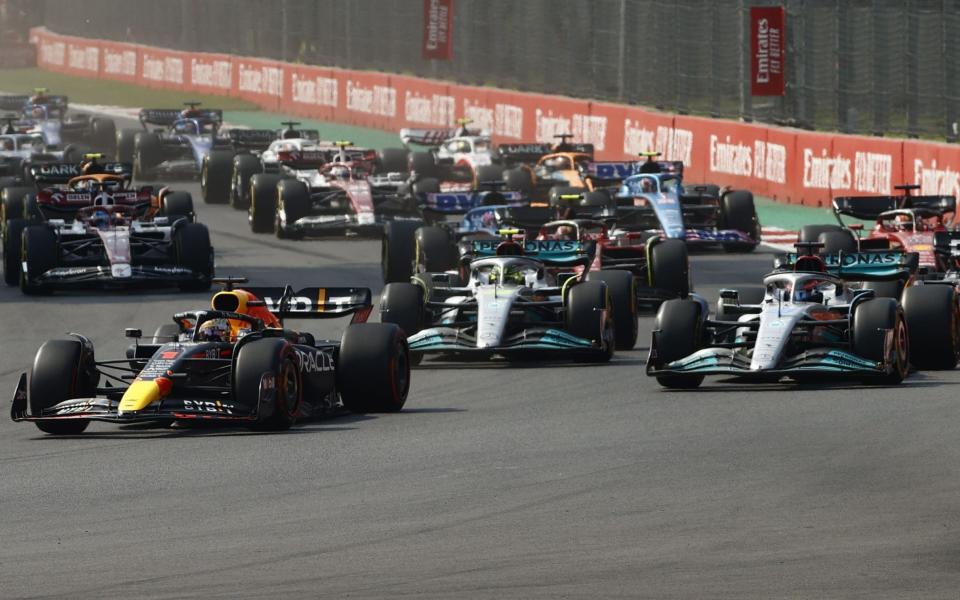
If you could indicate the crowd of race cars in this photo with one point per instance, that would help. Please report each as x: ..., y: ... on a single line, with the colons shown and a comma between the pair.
x: 517, y: 250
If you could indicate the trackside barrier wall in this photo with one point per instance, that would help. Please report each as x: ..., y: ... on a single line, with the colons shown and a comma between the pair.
x: 789, y: 165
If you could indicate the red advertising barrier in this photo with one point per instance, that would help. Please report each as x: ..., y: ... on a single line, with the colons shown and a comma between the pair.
x: 789, y: 165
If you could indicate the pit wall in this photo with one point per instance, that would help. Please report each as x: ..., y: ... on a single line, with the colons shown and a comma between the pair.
x: 789, y: 165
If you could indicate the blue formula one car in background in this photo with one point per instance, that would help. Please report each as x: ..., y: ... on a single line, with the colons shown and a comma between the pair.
x: 660, y: 203
x: 177, y: 148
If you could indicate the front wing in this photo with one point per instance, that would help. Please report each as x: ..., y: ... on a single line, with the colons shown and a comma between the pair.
x: 456, y: 340
x: 728, y: 361
x: 99, y: 275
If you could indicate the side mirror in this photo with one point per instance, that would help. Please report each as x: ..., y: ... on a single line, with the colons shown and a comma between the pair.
x: 132, y: 333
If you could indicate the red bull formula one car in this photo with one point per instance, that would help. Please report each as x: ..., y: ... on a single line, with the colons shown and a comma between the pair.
x: 233, y: 362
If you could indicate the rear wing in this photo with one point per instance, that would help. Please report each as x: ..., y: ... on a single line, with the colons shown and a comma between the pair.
x: 549, y: 252
x: 168, y: 116
x: 251, y: 139
x: 435, y: 137
x: 59, y: 173
x: 13, y: 102
x: 616, y: 171
x: 315, y: 302
x: 461, y: 202
x: 879, y: 265
x: 531, y: 153
x: 871, y: 207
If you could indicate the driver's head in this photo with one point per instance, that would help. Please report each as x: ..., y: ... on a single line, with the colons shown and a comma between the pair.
x: 100, y: 219
x: 214, y: 330
x: 289, y: 134
x: 340, y: 172
x: 513, y: 275
x: 7, y: 144
x: 90, y: 166
x: 37, y: 112
x: 903, y: 222
x: 646, y: 184
x: 557, y: 162
x: 566, y: 232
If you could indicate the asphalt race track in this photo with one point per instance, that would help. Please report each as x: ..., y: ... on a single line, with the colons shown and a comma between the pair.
x: 524, y: 481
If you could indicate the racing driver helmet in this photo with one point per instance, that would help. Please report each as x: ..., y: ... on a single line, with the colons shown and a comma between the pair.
x: 339, y: 172
x: 214, y: 330
x: 903, y: 222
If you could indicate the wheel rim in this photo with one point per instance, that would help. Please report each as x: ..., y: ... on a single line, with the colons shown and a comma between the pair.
x: 901, y: 348
x: 289, y: 389
x: 400, y: 373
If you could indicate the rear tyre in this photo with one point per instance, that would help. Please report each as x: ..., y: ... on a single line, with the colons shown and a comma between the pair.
x: 558, y: 191
x: 518, y: 180
x: 12, y: 198
x: 147, y: 154
x: 293, y: 198
x: 126, y: 144
x: 273, y: 358
x: 192, y: 246
x: 490, y: 174
x: 886, y: 289
x: 103, y: 135
x: 424, y: 165
x: 215, y: 176
x: 622, y: 287
x: 373, y: 368
x: 12, y: 247
x: 584, y: 317
x: 932, y: 322
x: 740, y: 214
x: 402, y: 304
x: 393, y: 160
x: 811, y: 233
x: 679, y: 324
x: 61, y: 372
x: 176, y: 205
x: 870, y: 320
x: 835, y: 242
x: 40, y: 252
x: 398, y: 250
x: 598, y: 198
x: 263, y: 202
x: 435, y: 251
x: 670, y: 267
x: 245, y: 166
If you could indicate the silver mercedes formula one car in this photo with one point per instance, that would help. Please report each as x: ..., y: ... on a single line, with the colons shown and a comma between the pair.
x: 815, y: 316
x: 534, y: 298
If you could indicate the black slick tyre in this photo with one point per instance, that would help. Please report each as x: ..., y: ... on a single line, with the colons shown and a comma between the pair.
x: 402, y: 304
x: 103, y: 135
x: 263, y: 202
x: 585, y: 305
x: 245, y: 166
x: 215, y: 176
x: 740, y: 214
x: 293, y: 198
x: 811, y: 233
x: 393, y: 160
x: 424, y: 165
x: 147, y: 154
x: 678, y: 323
x: 126, y: 144
x: 669, y: 267
x: 870, y: 320
x: 435, y: 251
x: 398, y: 250
x: 274, y: 359
x: 622, y: 288
x: 177, y: 205
x: 835, y: 242
x: 932, y: 322
x: 191, y: 245
x: 40, y: 252
x: 12, y: 248
x: 60, y: 372
x: 373, y: 368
